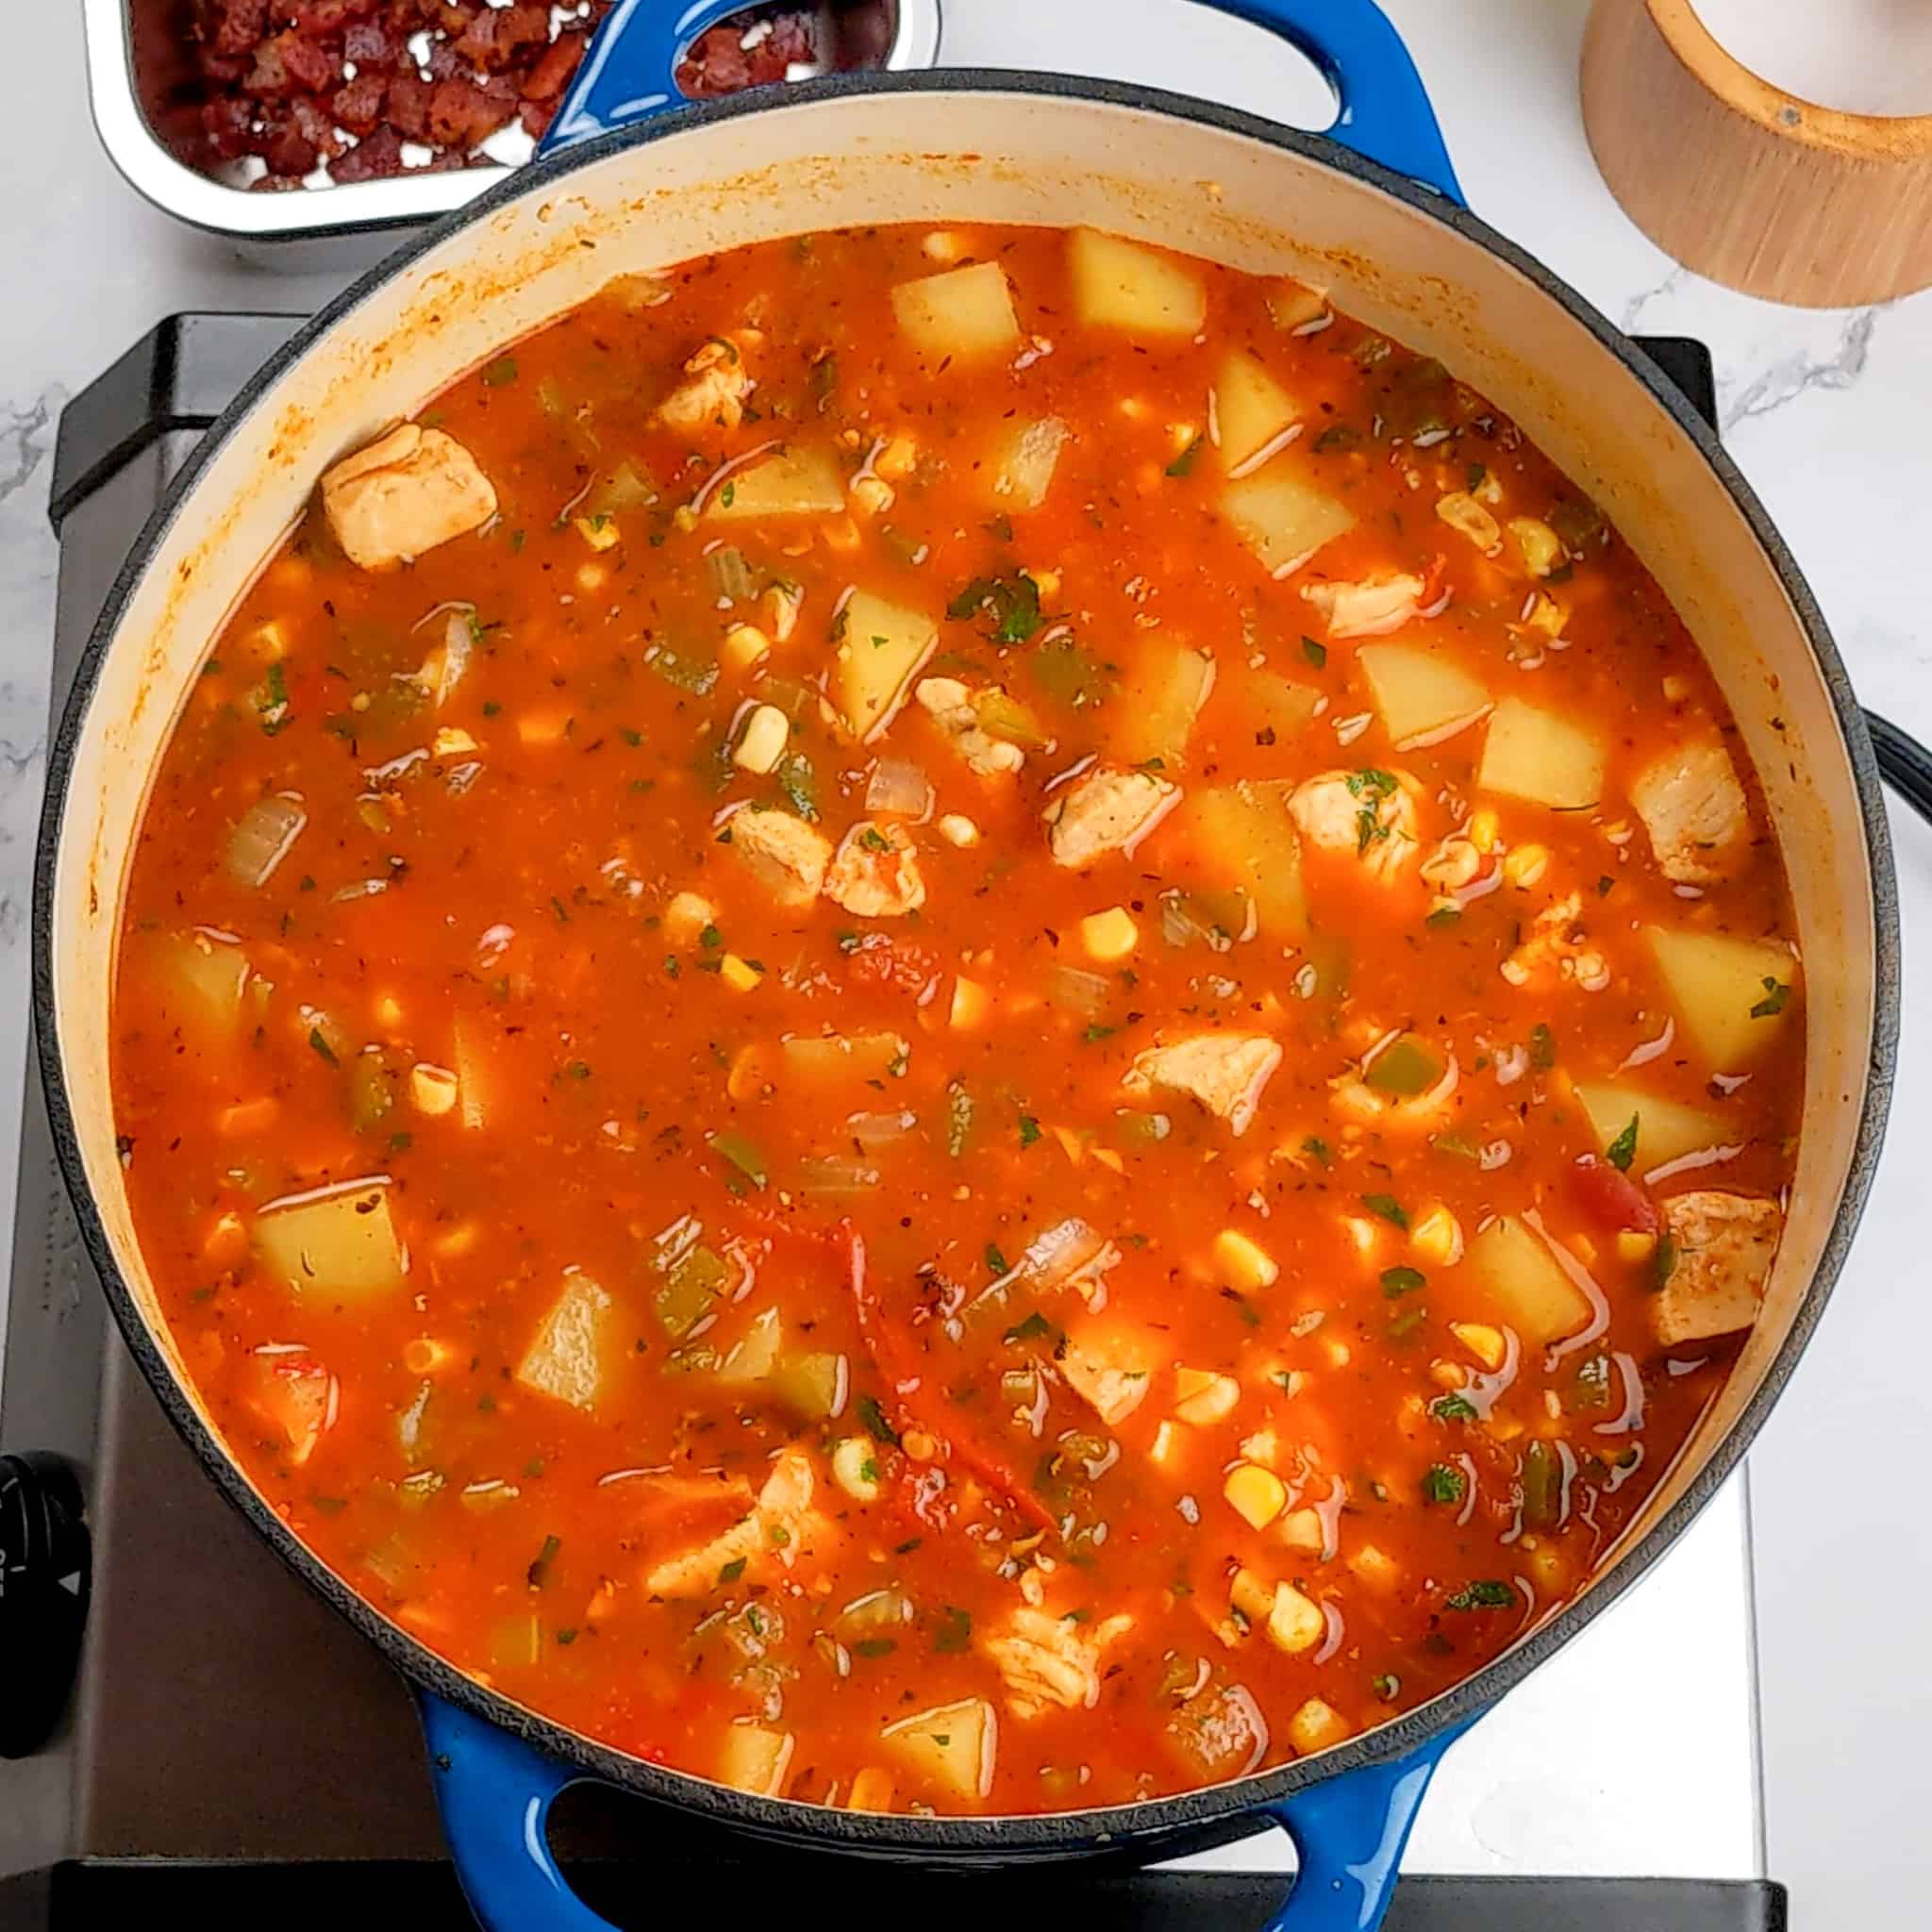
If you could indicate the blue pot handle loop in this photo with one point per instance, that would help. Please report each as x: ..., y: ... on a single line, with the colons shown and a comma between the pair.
x: 1348, y: 1834
x: 494, y: 1793
x: 630, y: 72
x: 1385, y: 113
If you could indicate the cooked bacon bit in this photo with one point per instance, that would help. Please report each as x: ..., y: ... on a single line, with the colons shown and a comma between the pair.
x: 719, y: 62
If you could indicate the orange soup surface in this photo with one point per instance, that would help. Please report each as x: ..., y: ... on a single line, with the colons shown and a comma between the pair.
x: 968, y: 1022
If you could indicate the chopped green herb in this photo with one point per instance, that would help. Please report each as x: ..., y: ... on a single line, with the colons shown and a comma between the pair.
x: 795, y: 779
x: 1664, y: 1263
x: 955, y: 1630
x: 1317, y: 1149
x: 568, y: 1634
x: 1442, y: 1484
x: 539, y: 1571
x: 1243, y: 1306
x: 1096, y: 1032
x: 1603, y: 885
x: 743, y: 1153
x: 1486, y: 1595
x: 710, y: 936
x: 1622, y: 1150
x: 322, y: 1046
x: 694, y: 674
x: 875, y: 840
x: 1388, y: 1687
x: 873, y: 1646
x: 1408, y: 1322
x: 874, y: 1417
x: 1453, y: 1409
x: 1035, y: 1326
x: 1443, y: 915
x: 1183, y: 464
x: 272, y: 701
x: 1542, y: 1047
x: 1775, y: 993
x: 1316, y: 653
x: 959, y: 1118
x: 1012, y: 603
x: 995, y: 1260
x: 1397, y: 1281
x: 1388, y: 1206
x: 504, y: 370
x: 1029, y: 1130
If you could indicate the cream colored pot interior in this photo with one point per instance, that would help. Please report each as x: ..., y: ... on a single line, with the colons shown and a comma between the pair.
x: 1002, y: 157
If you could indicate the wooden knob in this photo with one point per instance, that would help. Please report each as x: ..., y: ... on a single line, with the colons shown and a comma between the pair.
x: 1744, y: 183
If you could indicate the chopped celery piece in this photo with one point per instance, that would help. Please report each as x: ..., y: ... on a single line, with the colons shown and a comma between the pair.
x: 754, y: 1355
x: 836, y: 1173
x: 1404, y: 1068
x: 1070, y: 674
x: 1003, y: 716
x: 263, y: 837
x: 813, y: 1385
x: 371, y: 1091
x: 731, y: 574
x: 1142, y: 1129
x: 694, y: 674
x: 1542, y: 1485
x: 743, y: 1153
x: 621, y: 489
x: 694, y: 1278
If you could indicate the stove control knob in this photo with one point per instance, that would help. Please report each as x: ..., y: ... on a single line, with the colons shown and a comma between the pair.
x: 46, y: 1570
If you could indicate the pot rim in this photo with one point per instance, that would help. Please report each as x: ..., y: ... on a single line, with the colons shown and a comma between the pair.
x: 1152, y: 1823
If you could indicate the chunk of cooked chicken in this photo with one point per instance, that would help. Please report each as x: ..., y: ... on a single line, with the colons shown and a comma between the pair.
x: 1693, y: 808
x: 951, y: 705
x: 1106, y: 809
x: 1224, y: 1072
x: 1557, y: 947
x: 874, y: 874
x: 1721, y: 1252
x: 784, y: 852
x: 404, y: 494
x: 716, y: 391
x: 774, y: 1527
x: 1369, y: 609
x: 1369, y: 813
x: 1113, y: 1385
x: 1047, y: 1661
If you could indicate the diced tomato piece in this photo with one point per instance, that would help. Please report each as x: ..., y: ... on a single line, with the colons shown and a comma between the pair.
x: 296, y: 1397
x: 1610, y: 1198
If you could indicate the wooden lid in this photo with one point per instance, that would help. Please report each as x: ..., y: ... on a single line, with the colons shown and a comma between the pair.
x: 1743, y: 182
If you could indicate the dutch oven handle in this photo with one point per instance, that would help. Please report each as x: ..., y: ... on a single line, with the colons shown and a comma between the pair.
x: 1383, y: 112
x: 494, y: 1792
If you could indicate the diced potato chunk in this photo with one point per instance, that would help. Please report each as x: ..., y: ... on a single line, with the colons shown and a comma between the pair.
x: 755, y: 1759
x: 1161, y: 703
x: 1243, y: 1262
x: 1542, y: 755
x: 1202, y: 1397
x: 1109, y: 936
x: 1721, y: 1248
x: 1251, y: 408
x: 964, y: 315
x: 1283, y: 517
x: 1243, y: 835
x: 1024, y: 461
x: 209, y: 977
x: 754, y: 1354
x: 1112, y: 1385
x: 1296, y: 1623
x: 1487, y: 1345
x: 1732, y: 994
x: 952, y: 1745
x: 566, y: 1358
x: 1278, y: 704
x: 1526, y: 1282
x: 1316, y: 1726
x: 404, y: 494
x: 1119, y: 284
x: 880, y: 648
x: 1666, y: 1129
x: 793, y: 482
x: 1422, y: 698
x: 340, y: 1249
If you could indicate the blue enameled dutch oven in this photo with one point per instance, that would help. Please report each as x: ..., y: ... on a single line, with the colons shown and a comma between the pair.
x: 1370, y: 210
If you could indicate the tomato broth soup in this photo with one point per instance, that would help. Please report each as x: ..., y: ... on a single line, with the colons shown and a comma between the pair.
x: 965, y: 1021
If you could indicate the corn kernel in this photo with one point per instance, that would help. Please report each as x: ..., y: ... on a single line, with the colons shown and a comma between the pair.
x: 1301, y: 1530
x: 969, y: 1002
x: 1109, y: 935
x: 872, y: 1790
x: 1489, y: 1345
x: 599, y: 532
x: 1364, y: 1235
x: 1316, y: 1726
x: 1251, y: 1595
x: 1437, y: 1236
x: 543, y: 727
x: 1483, y: 828
x: 1462, y: 512
x: 873, y: 494
x: 1047, y: 582
x: 1295, y: 1623
x: 433, y: 1089
x: 1242, y: 1262
x: 686, y: 917
x: 945, y: 245
x: 1541, y: 548
x: 761, y: 744
x: 1447, y: 1375
x: 1166, y: 1440
x: 1201, y: 1397
x: 1546, y: 617
x: 1255, y: 1494
x: 1527, y: 864
x: 897, y: 458
x: 1338, y: 1353
x: 855, y: 1469
x: 741, y: 976
x: 1634, y: 1246
x: 423, y: 1355
x: 1181, y: 436
x: 918, y: 1446
x: 1374, y: 1567
x: 744, y: 645
x: 685, y: 518
x: 452, y: 741
x: 956, y: 828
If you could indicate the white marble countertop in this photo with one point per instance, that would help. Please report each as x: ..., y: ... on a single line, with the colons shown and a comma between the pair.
x: 1827, y: 413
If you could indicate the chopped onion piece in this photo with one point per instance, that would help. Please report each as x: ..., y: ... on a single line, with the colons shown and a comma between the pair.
x: 836, y: 1173
x: 1067, y: 1251
x: 1078, y: 991
x: 898, y: 788
x: 881, y: 1129
x: 263, y: 837
x: 458, y: 638
x: 731, y: 574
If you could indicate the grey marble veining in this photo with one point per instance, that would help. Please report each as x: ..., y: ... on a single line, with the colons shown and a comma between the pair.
x: 1828, y: 413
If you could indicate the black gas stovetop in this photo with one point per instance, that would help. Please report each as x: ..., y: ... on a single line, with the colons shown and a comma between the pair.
x: 184, y: 1729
